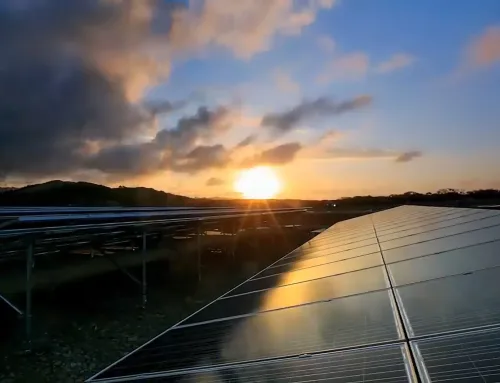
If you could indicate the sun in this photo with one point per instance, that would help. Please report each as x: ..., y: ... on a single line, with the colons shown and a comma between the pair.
x: 257, y: 183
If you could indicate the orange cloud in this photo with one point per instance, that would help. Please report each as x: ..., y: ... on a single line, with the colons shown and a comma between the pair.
x: 484, y: 50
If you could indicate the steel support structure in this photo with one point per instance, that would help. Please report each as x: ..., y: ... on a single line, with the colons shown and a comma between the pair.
x: 144, y: 273
x: 29, y: 284
x: 198, y: 249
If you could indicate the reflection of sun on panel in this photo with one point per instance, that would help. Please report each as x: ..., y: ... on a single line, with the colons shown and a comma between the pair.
x: 258, y: 183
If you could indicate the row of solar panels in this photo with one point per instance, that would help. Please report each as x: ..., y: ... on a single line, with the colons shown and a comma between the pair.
x: 407, y: 294
x: 55, y: 222
x: 55, y: 232
x: 22, y: 210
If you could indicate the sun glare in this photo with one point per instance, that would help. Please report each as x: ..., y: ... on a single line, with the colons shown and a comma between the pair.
x: 257, y: 183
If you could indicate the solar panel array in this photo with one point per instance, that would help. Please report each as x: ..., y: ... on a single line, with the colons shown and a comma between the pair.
x: 61, y: 229
x: 407, y: 294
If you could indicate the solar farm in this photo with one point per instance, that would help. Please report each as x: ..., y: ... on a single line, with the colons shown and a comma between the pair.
x: 72, y: 240
x: 409, y: 294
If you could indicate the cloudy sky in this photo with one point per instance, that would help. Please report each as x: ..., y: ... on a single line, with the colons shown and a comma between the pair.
x: 340, y: 97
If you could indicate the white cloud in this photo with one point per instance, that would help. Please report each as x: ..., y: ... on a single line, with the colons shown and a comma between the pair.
x: 350, y: 66
x: 357, y: 65
x: 395, y: 62
x: 245, y: 27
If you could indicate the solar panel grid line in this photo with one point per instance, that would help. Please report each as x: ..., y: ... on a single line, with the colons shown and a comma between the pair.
x: 470, y: 324
x: 299, y: 283
x: 334, y: 235
x: 322, y: 264
x: 326, y: 236
x: 414, y: 230
x: 293, y: 368
x: 446, y: 277
x: 340, y: 233
x: 456, y: 305
x: 456, y: 229
x: 494, y: 241
x: 409, y: 363
x: 397, y: 309
x: 458, y: 317
x: 323, y: 241
x: 252, y: 313
x: 472, y: 356
x: 391, y: 222
x: 315, y: 244
x: 316, y: 247
x: 367, y: 249
x: 409, y: 221
x: 342, y: 257
x: 419, y: 363
x: 398, y: 224
x: 493, y: 229
x: 407, y: 252
x: 245, y: 364
x: 298, y: 279
x: 242, y: 363
x: 406, y: 212
x: 459, y: 264
x: 345, y: 331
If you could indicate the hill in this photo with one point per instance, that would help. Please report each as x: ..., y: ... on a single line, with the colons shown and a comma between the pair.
x: 62, y: 193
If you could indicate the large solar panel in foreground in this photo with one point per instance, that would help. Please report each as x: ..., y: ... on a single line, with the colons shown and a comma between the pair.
x: 407, y: 294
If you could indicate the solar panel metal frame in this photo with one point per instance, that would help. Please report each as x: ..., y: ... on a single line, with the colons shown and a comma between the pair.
x: 388, y: 221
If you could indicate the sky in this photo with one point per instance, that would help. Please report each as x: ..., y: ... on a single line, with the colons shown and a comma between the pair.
x: 339, y: 97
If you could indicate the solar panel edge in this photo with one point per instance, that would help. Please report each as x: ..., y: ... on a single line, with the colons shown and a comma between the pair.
x: 263, y: 361
x: 93, y: 377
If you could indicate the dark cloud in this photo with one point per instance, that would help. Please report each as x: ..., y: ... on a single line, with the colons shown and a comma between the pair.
x: 214, y: 181
x: 247, y: 141
x: 70, y: 73
x: 174, y: 148
x: 200, y: 158
x: 158, y: 107
x: 321, y: 107
x: 204, y: 124
x: 408, y: 156
x: 362, y: 153
x: 278, y: 155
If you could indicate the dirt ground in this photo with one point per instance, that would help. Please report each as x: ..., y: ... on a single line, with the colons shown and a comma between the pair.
x: 82, y: 327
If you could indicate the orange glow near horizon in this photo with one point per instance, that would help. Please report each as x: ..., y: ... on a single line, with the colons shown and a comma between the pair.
x: 258, y: 183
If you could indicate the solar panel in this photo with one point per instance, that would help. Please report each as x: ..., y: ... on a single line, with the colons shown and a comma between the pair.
x: 377, y: 364
x: 407, y: 294
x: 474, y: 357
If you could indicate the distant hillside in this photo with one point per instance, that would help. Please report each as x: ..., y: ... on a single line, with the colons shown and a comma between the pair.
x: 3, y: 190
x: 61, y: 193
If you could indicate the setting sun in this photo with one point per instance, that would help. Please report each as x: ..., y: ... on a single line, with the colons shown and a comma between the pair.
x: 258, y: 183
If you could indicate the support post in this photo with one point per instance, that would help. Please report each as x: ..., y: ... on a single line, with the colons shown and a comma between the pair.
x: 234, y: 239
x: 257, y: 232
x: 198, y: 249
x: 144, y: 282
x: 29, y: 270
